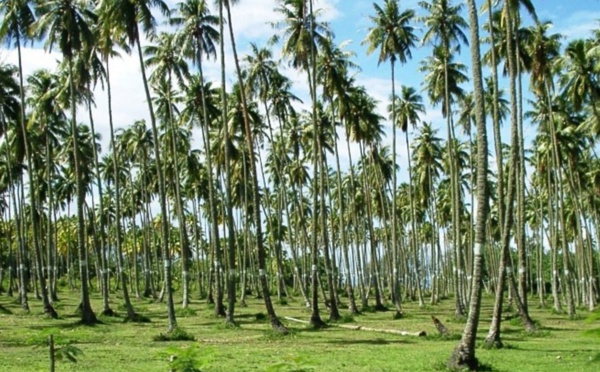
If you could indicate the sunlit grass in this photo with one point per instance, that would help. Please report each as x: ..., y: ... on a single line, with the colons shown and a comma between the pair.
x: 114, y: 345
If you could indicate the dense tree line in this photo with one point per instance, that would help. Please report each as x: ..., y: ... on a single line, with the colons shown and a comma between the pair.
x: 266, y: 206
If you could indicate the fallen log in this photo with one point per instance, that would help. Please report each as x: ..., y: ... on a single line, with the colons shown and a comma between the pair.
x: 368, y: 329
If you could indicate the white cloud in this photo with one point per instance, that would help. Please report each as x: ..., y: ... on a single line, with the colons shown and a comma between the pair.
x: 579, y: 24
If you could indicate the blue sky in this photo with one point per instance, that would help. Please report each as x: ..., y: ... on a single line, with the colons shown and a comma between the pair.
x: 348, y: 19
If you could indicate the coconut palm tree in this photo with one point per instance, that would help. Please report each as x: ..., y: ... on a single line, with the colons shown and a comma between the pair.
x: 333, y: 67
x: 131, y: 17
x: 18, y: 18
x: 107, y: 39
x: 12, y: 152
x: 393, y: 34
x: 302, y: 37
x: 408, y: 106
x: 47, y: 121
x: 464, y: 354
x: 166, y: 60
x: 445, y: 27
x: 198, y: 35
x: 67, y: 23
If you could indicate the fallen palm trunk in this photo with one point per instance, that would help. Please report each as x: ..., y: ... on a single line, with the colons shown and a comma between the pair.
x: 368, y: 329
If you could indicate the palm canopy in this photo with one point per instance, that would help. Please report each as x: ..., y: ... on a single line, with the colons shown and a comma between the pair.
x: 434, y: 81
x: 577, y: 71
x: 298, y: 26
x: 261, y: 71
x: 392, y: 32
x: 166, y: 59
x: 197, y: 34
x: 9, y: 92
x: 408, y: 106
x: 17, y: 17
x: 66, y: 23
x: 333, y: 65
x: 126, y: 15
x: 543, y: 49
x: 444, y: 24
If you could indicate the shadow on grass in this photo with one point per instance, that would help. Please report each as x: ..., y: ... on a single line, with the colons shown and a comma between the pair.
x: 67, y: 325
x: 374, y: 342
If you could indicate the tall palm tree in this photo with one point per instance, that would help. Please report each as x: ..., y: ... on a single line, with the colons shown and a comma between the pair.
x: 407, y: 108
x: 18, y: 17
x: 393, y: 34
x: 166, y: 59
x: 132, y: 17
x: 67, y: 23
x: 47, y: 121
x: 198, y: 35
x: 106, y: 41
x: 334, y: 65
x: 464, y: 354
x: 302, y: 37
x: 511, y: 20
x: 445, y: 27
x: 12, y: 152
x: 275, y: 323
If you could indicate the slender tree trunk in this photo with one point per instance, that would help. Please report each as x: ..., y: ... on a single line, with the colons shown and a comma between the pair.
x: 162, y: 198
x: 275, y: 323
x: 48, y: 309
x: 464, y: 353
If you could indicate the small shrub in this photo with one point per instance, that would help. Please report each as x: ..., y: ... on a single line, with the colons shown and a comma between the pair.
x: 441, y: 337
x: 187, y: 359
x: 178, y: 334
x: 273, y: 335
x: 184, y: 312
x: 260, y: 317
x: 346, y: 318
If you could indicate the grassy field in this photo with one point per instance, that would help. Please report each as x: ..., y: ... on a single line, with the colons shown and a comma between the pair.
x: 560, y: 345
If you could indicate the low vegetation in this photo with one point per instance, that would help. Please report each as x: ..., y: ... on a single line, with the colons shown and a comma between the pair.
x: 115, y: 345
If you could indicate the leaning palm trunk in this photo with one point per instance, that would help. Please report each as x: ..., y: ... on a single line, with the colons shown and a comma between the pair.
x: 344, y: 239
x: 131, y: 314
x: 227, y: 195
x: 101, y: 258
x: 519, y: 294
x: 185, y: 245
x: 493, y: 339
x: 162, y: 197
x: 275, y: 322
x: 334, y: 314
x: 464, y: 354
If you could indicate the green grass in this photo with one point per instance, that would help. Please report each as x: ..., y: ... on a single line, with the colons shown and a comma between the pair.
x: 115, y: 345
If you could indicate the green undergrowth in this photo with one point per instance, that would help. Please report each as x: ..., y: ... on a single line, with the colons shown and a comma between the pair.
x: 177, y: 334
x: 206, y: 342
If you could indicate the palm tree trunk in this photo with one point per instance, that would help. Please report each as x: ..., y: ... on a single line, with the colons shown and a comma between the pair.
x: 48, y: 309
x: 334, y: 314
x: 106, y: 310
x: 87, y: 314
x: 342, y: 231
x: 464, y: 354
x: 275, y: 323
x: 228, y: 175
